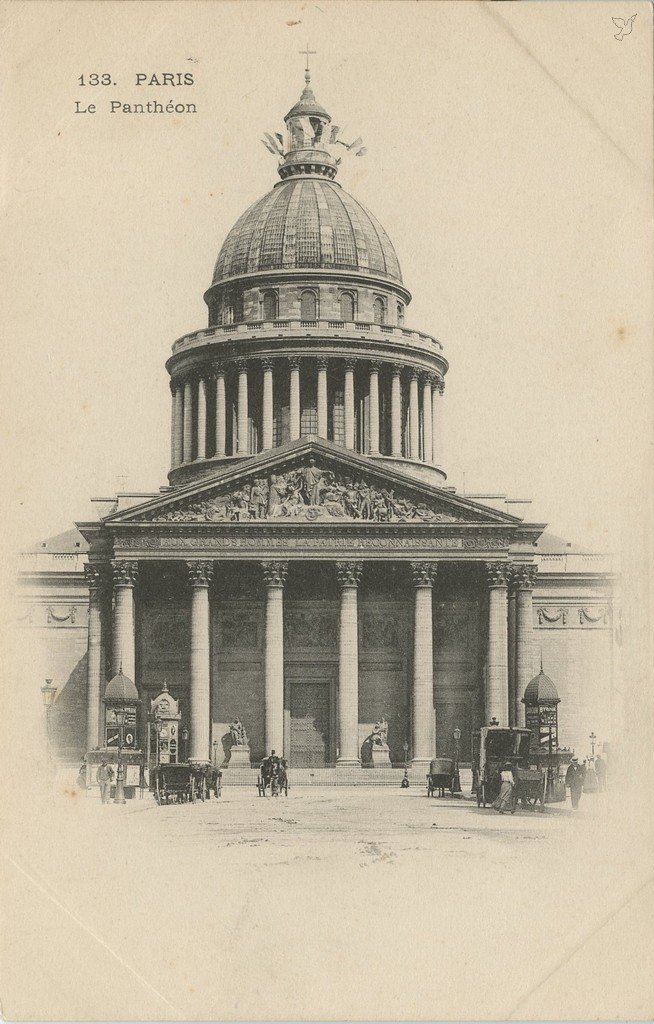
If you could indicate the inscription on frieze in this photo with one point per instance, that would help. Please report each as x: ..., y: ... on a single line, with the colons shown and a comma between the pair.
x: 266, y: 542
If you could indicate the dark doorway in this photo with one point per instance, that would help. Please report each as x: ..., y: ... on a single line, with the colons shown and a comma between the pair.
x: 309, y: 724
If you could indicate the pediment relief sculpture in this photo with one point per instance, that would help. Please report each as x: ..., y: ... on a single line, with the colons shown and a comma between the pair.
x: 306, y: 494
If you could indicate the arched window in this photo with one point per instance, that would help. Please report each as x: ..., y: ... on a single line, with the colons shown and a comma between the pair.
x: 379, y: 310
x: 308, y: 306
x: 269, y: 306
x: 227, y: 316
x: 347, y: 306
x: 400, y: 313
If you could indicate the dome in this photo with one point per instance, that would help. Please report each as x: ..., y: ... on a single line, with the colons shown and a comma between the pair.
x: 307, y: 222
x: 121, y: 688
x: 541, y: 689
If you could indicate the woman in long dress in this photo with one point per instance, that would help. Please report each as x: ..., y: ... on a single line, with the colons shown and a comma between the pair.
x: 504, y: 800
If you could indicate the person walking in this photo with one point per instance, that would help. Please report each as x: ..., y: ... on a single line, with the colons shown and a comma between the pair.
x: 104, y: 776
x: 600, y: 771
x: 505, y: 801
x: 574, y: 778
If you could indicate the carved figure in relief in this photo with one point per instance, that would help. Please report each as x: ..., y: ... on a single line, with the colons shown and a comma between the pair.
x: 258, y: 499
x: 276, y: 488
x: 312, y: 483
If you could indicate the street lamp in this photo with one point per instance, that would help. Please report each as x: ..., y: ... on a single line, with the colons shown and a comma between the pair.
x: 119, y: 797
x: 185, y: 735
x: 405, y: 778
x: 456, y: 782
x: 592, y: 739
x: 48, y: 692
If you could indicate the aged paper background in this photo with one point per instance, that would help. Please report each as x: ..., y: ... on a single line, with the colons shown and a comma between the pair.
x: 509, y: 158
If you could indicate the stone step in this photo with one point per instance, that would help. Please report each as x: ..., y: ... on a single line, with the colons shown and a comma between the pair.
x: 340, y: 777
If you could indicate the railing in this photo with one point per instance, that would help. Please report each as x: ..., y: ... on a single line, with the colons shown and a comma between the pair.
x: 42, y: 561
x: 209, y: 334
x: 575, y: 562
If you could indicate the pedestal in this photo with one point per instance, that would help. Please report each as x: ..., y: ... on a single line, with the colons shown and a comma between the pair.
x: 380, y: 756
x: 239, y: 757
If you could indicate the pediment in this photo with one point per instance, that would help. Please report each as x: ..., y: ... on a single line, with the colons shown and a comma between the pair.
x: 311, y: 483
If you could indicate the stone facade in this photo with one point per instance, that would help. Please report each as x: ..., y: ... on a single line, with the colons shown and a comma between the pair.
x: 307, y: 570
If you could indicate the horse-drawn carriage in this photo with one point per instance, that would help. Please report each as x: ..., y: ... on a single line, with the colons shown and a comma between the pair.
x: 440, y: 776
x: 273, y: 775
x: 494, y: 748
x: 182, y: 783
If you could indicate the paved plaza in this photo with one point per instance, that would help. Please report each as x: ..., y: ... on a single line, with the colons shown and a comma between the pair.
x: 331, y: 903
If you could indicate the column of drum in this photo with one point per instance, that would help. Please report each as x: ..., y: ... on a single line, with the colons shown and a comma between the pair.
x: 423, y: 441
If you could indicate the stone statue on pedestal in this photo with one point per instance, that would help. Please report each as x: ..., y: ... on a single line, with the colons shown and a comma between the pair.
x: 239, y: 754
x: 380, y: 753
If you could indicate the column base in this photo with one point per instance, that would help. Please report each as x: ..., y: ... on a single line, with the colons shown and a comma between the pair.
x: 348, y: 762
x: 420, y: 763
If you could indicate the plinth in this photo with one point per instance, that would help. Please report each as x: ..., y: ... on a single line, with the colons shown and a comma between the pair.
x: 239, y: 756
x: 380, y: 756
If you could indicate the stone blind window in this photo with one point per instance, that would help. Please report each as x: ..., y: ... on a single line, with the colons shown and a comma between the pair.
x: 400, y: 313
x: 347, y: 306
x: 308, y: 405
x: 269, y: 306
x: 379, y: 310
x: 336, y: 415
x: 308, y: 305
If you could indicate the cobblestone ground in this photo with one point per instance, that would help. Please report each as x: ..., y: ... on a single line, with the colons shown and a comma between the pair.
x: 331, y: 903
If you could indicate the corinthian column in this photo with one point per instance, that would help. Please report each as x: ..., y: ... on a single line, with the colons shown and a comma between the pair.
x: 424, y: 574
x: 267, y: 441
x: 200, y: 573
x: 202, y: 420
x: 349, y: 575
x: 497, y: 669
x: 220, y: 413
x: 374, y: 408
x: 396, y: 413
x: 274, y: 574
x: 294, y: 398
x: 414, y: 417
x: 524, y: 579
x: 97, y: 580
x: 322, y: 396
x: 427, y: 415
x: 348, y: 403
x: 438, y: 387
x: 125, y: 574
x: 187, y: 452
x: 243, y: 446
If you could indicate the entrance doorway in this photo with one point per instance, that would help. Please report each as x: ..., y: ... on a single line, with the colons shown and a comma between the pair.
x: 310, y: 723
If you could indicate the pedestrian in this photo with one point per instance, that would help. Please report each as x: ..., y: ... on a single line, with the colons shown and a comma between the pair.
x: 600, y: 771
x: 504, y: 801
x: 104, y: 776
x: 574, y: 778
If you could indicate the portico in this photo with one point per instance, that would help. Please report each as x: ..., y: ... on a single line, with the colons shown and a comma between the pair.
x: 383, y: 604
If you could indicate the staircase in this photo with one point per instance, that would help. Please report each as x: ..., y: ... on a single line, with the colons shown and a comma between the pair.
x: 340, y: 777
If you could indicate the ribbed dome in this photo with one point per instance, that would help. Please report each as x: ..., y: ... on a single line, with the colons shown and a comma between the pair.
x: 541, y: 688
x: 307, y: 222
x: 121, y: 688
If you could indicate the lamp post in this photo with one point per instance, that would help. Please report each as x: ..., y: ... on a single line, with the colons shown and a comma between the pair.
x: 592, y: 739
x: 48, y: 692
x: 405, y: 778
x: 456, y: 783
x: 185, y: 736
x: 119, y: 797
x: 158, y: 724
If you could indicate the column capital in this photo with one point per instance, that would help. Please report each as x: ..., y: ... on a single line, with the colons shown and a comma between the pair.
x: 125, y: 572
x: 350, y: 362
x: 200, y: 572
x: 218, y: 370
x: 375, y: 365
x: 174, y: 386
x: 323, y: 362
x: 97, y: 577
x: 425, y: 377
x: 424, y: 573
x: 397, y: 369
x: 349, y: 573
x: 267, y: 363
x: 294, y: 362
x: 242, y: 365
x: 440, y: 385
x: 523, y: 577
x: 274, y: 573
x: 497, y: 574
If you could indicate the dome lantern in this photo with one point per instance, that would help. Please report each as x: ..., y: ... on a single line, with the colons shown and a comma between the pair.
x: 308, y: 135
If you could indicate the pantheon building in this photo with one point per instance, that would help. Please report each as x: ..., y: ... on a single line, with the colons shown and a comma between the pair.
x: 307, y: 568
